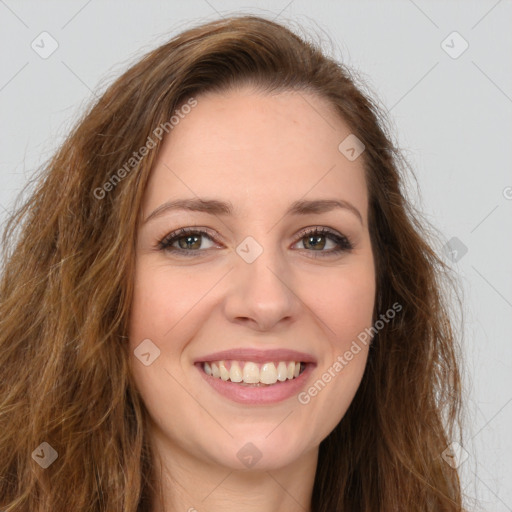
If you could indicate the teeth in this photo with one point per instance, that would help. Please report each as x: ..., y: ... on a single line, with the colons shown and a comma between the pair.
x: 235, y: 373
x: 290, y: 370
x: 282, y: 373
x: 251, y: 373
x: 247, y: 372
x: 268, y: 373
x: 224, y: 374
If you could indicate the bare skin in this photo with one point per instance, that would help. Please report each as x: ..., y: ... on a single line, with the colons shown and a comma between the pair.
x: 261, y: 153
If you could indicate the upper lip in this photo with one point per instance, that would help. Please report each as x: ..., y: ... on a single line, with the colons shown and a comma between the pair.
x: 257, y: 356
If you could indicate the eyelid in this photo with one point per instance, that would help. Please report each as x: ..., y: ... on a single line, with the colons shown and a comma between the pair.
x: 344, y: 242
x: 182, y: 232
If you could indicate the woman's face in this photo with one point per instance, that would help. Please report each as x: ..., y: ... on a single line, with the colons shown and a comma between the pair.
x: 258, y: 286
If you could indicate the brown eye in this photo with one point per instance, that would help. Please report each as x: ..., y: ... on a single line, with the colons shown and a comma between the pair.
x: 315, y: 240
x: 188, y: 241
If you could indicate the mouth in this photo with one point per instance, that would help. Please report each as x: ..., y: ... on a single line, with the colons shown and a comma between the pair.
x: 253, y: 374
x: 256, y: 377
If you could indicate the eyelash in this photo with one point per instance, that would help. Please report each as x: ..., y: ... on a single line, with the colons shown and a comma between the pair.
x: 344, y: 243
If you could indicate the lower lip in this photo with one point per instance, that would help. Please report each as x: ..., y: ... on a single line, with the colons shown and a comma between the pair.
x: 258, y: 395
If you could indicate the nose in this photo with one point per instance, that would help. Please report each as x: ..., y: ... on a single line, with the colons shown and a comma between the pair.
x: 261, y: 293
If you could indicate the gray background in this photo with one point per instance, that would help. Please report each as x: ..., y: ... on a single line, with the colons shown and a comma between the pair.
x: 451, y: 116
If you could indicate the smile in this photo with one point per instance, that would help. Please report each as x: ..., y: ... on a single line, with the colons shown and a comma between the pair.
x: 253, y: 376
x: 252, y: 373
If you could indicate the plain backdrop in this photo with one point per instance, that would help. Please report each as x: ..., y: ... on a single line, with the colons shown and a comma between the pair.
x: 449, y: 98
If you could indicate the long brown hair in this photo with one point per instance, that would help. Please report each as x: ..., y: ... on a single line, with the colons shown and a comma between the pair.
x: 67, y: 285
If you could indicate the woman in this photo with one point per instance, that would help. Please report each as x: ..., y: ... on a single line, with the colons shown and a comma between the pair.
x: 220, y: 298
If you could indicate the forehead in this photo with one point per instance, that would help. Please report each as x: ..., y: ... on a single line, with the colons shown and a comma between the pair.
x: 257, y: 150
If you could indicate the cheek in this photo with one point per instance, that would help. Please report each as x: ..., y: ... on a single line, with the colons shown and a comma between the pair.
x: 161, y: 301
x: 335, y: 305
x: 345, y: 303
x: 346, y: 311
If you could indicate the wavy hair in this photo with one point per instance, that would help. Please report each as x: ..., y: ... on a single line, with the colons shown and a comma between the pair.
x: 67, y: 283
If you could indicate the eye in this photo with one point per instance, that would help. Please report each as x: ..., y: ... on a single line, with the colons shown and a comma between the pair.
x: 189, y: 241
x: 312, y: 238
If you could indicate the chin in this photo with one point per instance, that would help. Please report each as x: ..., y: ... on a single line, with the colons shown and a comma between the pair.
x: 258, y: 451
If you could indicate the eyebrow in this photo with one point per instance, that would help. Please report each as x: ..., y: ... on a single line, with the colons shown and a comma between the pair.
x: 221, y: 208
